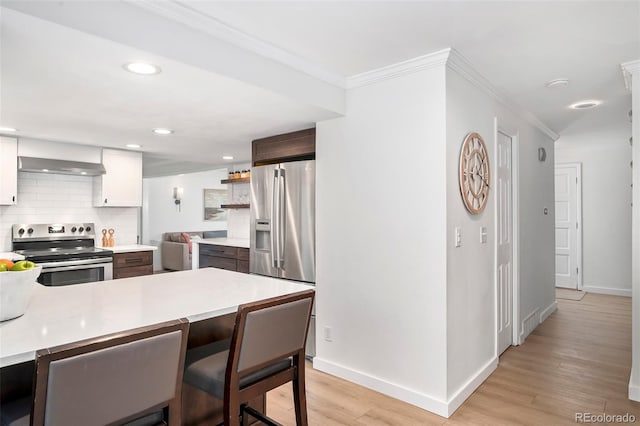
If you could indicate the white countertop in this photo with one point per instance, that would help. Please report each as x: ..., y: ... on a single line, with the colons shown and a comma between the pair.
x: 130, y: 248
x: 232, y: 242
x: 60, y: 315
x: 11, y: 256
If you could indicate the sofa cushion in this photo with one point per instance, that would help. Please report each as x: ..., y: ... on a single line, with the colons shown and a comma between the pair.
x: 175, y: 237
x: 187, y: 239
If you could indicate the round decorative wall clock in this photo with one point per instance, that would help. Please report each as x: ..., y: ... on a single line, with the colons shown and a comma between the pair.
x: 475, y: 179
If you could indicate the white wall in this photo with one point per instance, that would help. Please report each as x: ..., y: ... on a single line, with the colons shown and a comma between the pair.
x: 47, y: 198
x: 381, y: 243
x: 471, y: 307
x: 160, y: 214
x: 605, y: 155
x: 634, y: 382
x: 408, y: 314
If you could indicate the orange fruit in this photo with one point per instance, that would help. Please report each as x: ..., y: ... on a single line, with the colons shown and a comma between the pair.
x: 7, y: 262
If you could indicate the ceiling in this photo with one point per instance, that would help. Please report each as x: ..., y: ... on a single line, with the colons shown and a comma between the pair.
x: 62, y: 76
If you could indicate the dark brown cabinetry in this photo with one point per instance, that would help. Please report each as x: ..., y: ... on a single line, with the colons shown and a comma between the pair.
x: 300, y: 145
x: 224, y: 257
x: 132, y: 264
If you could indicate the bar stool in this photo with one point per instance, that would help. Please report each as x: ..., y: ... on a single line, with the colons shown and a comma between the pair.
x: 266, y: 350
x: 121, y: 378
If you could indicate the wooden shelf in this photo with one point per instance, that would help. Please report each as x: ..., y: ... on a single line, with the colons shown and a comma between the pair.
x: 234, y: 206
x: 238, y: 180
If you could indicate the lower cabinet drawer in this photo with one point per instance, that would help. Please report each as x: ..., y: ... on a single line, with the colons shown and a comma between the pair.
x: 219, y: 251
x: 218, y: 262
x: 134, y: 271
x: 136, y: 258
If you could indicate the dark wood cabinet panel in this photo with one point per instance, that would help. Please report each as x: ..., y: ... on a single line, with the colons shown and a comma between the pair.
x: 218, y: 262
x: 220, y: 251
x: 133, y: 271
x: 243, y: 266
x: 224, y: 257
x: 243, y: 253
x: 135, y: 258
x: 300, y: 145
x: 132, y: 264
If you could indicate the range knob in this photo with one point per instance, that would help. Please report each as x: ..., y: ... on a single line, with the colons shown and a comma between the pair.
x: 30, y: 231
x: 21, y: 231
x: 74, y: 229
x: 80, y: 229
x: 88, y: 228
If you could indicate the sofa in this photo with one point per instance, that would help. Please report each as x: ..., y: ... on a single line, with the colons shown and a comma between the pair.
x: 175, y: 248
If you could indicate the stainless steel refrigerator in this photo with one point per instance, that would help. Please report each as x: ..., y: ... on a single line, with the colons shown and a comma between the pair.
x: 283, y: 221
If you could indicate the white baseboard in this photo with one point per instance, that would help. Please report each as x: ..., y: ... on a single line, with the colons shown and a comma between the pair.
x: 393, y: 390
x: 441, y: 408
x: 467, y: 389
x: 606, y: 290
x: 548, y: 311
x: 634, y: 388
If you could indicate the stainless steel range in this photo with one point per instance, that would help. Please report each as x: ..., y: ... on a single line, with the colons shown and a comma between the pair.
x: 66, y: 252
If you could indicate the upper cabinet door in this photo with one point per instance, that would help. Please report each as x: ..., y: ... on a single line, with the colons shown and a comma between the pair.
x: 121, y: 186
x: 8, y: 171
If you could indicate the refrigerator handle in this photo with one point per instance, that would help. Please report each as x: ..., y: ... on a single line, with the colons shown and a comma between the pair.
x: 274, y: 227
x: 281, y: 217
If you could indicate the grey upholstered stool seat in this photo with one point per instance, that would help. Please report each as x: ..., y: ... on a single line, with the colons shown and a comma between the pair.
x: 205, y: 367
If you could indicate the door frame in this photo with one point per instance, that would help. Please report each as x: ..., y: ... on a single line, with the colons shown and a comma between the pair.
x: 578, y: 168
x: 499, y: 127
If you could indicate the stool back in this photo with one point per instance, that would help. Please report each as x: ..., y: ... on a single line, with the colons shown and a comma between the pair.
x: 112, y: 378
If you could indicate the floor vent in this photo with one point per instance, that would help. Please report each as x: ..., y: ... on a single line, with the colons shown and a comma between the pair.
x: 529, y: 324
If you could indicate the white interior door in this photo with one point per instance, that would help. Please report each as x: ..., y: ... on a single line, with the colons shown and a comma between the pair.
x: 504, y: 241
x: 567, y: 225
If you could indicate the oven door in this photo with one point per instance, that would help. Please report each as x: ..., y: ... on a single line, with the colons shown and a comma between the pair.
x: 75, y: 272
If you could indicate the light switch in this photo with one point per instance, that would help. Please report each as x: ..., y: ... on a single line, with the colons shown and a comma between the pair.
x: 483, y: 235
x: 458, y: 237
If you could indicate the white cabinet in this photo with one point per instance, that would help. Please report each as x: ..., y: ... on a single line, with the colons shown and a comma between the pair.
x: 8, y: 171
x: 121, y: 186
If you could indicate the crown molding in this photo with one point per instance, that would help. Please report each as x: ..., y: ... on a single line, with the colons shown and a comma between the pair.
x: 192, y: 18
x: 461, y: 65
x: 420, y: 63
x: 628, y: 68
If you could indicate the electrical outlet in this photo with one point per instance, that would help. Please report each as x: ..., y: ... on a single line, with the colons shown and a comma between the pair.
x: 327, y: 333
x: 458, y: 237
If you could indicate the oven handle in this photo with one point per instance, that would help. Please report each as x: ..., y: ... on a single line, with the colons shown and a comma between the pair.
x: 73, y: 263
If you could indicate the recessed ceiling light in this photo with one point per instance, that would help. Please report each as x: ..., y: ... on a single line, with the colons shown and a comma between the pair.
x: 227, y: 157
x: 161, y: 131
x: 8, y: 129
x: 142, y: 68
x: 133, y: 145
x: 585, y: 104
x: 557, y: 83
x: 83, y: 173
x: 45, y: 170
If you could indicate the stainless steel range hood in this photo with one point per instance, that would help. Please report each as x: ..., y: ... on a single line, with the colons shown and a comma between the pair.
x: 64, y: 167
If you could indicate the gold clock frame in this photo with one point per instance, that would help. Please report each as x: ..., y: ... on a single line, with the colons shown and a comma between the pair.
x: 475, y: 173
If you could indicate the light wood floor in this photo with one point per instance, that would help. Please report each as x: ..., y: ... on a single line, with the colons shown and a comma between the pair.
x: 578, y: 360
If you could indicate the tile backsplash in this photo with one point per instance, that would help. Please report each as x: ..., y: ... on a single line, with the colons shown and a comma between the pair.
x: 50, y: 198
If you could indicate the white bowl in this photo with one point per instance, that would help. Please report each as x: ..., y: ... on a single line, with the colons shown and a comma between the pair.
x: 15, y: 291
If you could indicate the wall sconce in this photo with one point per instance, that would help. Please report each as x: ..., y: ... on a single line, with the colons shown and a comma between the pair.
x: 542, y: 154
x: 177, y: 196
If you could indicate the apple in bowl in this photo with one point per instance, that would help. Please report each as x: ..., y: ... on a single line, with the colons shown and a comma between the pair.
x: 16, y: 286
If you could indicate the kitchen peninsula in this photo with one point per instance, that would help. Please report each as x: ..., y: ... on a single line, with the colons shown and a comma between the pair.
x: 59, y: 315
